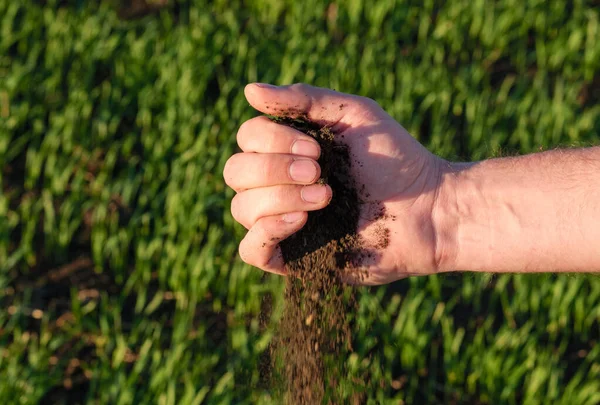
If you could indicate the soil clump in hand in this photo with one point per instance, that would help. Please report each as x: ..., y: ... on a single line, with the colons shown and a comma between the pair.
x: 314, y: 338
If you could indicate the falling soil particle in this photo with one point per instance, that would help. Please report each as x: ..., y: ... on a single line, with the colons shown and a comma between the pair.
x: 314, y: 337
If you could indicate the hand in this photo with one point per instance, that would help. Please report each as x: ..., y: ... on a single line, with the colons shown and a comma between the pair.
x: 274, y: 179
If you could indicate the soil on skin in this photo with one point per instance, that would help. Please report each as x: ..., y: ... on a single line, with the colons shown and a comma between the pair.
x: 315, y: 333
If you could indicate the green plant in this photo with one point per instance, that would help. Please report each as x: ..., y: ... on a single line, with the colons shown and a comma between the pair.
x: 119, y: 281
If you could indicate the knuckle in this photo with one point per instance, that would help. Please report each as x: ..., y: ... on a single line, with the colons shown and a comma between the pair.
x: 299, y: 87
x: 246, y: 207
x: 257, y: 134
x: 236, y: 207
x: 268, y: 166
x: 243, y: 252
x: 241, y: 133
x: 230, y: 171
x: 368, y: 102
x: 281, y: 197
x: 227, y: 171
x: 302, y: 89
x: 270, y: 140
x: 262, y: 261
x: 247, y: 130
x: 249, y: 254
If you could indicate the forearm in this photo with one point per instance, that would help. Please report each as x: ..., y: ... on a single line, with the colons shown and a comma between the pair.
x: 534, y: 213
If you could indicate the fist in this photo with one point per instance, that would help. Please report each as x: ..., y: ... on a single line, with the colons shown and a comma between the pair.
x: 275, y: 180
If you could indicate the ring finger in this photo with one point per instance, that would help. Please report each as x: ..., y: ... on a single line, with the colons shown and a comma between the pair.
x: 249, y: 206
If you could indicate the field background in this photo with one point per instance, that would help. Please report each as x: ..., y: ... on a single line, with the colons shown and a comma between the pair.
x: 119, y: 277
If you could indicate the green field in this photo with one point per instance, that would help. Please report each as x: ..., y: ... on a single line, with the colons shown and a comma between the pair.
x: 119, y: 276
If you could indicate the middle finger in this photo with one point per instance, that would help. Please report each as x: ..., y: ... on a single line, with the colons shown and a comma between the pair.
x: 245, y: 171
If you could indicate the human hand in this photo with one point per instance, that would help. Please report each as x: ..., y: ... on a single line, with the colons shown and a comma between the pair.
x: 274, y: 179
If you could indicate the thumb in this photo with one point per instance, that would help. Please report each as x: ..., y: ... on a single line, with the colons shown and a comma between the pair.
x: 324, y: 106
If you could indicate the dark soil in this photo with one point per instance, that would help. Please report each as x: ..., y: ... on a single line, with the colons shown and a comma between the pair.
x: 315, y: 333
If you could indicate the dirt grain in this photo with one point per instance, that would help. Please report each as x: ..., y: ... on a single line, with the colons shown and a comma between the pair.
x: 315, y: 334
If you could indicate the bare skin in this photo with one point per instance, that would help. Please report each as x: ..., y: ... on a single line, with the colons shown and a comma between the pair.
x: 534, y: 213
x: 503, y: 215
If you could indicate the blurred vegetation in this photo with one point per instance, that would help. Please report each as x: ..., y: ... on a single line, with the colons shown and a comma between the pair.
x: 119, y: 281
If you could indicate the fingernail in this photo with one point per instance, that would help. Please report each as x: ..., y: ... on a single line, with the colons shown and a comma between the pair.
x: 314, y: 194
x: 266, y: 85
x: 303, y: 170
x: 305, y: 148
x: 292, y: 217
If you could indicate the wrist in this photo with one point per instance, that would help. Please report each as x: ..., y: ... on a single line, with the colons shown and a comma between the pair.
x: 448, y: 210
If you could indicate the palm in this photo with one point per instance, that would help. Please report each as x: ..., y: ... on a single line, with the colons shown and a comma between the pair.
x: 399, y: 179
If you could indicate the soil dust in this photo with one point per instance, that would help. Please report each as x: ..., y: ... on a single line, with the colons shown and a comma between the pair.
x: 314, y: 337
